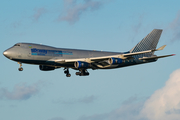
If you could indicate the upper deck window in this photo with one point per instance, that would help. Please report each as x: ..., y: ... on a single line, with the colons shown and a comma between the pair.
x: 17, y: 45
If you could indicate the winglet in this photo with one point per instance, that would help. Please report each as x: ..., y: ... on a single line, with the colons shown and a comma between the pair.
x: 161, y: 48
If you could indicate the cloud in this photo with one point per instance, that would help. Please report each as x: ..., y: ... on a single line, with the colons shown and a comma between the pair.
x: 38, y: 13
x: 86, y: 100
x: 73, y: 9
x: 12, y: 106
x: 16, y: 24
x: 95, y: 117
x: 174, y: 26
x: 163, y: 104
x: 129, y: 110
x: 89, y: 99
x: 57, y: 118
x: 137, y: 27
x: 20, y: 92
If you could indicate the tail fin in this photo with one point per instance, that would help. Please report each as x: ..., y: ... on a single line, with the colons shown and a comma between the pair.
x: 148, y: 43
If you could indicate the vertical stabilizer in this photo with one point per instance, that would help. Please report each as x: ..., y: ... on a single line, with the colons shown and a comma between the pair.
x: 148, y: 43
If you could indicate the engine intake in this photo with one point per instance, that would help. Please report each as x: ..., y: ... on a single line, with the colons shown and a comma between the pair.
x: 114, y: 61
x: 46, y: 68
x: 79, y: 64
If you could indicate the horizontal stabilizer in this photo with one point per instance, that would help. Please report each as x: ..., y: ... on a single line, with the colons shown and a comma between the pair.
x: 155, y: 57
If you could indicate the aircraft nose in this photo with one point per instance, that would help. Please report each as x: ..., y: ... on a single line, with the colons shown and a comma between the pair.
x: 6, y: 53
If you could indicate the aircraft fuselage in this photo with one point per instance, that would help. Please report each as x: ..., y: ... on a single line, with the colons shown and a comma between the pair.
x: 41, y: 55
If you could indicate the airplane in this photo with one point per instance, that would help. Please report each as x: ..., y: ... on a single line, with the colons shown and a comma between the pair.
x: 51, y: 58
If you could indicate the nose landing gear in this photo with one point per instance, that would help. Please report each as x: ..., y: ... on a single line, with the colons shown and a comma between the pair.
x: 20, y: 66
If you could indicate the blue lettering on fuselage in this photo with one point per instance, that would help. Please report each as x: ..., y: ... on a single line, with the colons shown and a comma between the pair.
x: 42, y: 52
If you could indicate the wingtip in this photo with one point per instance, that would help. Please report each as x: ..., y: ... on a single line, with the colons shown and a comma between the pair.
x: 161, y: 48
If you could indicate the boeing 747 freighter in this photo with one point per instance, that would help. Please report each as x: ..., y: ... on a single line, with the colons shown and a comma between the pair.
x: 50, y: 58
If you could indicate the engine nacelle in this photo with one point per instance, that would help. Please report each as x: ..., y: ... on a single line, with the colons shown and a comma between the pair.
x: 114, y: 61
x: 80, y: 64
x: 46, y: 68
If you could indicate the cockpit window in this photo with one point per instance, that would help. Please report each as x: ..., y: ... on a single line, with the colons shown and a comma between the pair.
x: 17, y: 45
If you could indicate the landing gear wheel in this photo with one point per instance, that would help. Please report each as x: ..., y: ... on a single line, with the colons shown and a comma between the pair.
x: 66, y: 71
x: 78, y: 73
x: 82, y: 72
x: 20, y: 69
x: 20, y: 66
x: 68, y: 75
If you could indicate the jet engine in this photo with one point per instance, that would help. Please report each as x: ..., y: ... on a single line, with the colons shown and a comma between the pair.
x: 46, y: 68
x: 79, y: 64
x: 114, y: 61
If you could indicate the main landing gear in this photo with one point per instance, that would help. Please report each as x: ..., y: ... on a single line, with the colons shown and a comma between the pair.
x: 82, y: 72
x: 66, y: 71
x: 20, y: 66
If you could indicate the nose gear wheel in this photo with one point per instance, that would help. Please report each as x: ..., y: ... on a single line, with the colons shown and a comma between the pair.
x: 20, y: 66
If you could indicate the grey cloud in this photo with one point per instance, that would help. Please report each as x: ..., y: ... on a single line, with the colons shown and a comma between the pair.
x: 12, y: 106
x: 95, y: 117
x: 20, y: 92
x: 57, y: 118
x: 74, y: 10
x: 176, y: 111
x: 38, y: 13
x: 137, y: 27
x: 86, y: 100
x: 130, y: 100
x: 69, y: 2
x: 128, y: 111
x: 174, y: 26
x: 16, y: 24
x: 89, y: 99
x: 139, y: 24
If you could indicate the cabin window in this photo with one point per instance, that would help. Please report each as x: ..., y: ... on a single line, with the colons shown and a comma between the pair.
x: 17, y: 45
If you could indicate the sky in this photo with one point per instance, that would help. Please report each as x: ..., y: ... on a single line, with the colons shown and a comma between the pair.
x: 143, y: 92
